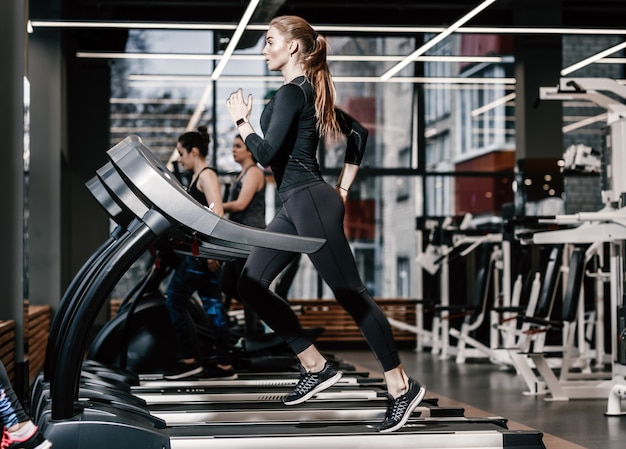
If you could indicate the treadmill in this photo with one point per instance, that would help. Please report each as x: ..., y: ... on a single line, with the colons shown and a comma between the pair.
x: 126, y: 209
x: 77, y: 423
x: 257, y: 388
x: 161, y: 395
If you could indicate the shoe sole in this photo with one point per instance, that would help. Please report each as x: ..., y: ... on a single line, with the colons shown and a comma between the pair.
x: 414, y: 403
x: 321, y: 387
x: 185, y: 374
x: 45, y: 445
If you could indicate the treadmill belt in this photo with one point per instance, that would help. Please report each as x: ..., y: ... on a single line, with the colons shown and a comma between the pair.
x: 350, y: 435
x: 278, y: 412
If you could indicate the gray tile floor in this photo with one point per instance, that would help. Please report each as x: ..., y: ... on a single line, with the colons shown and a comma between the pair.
x: 487, y: 387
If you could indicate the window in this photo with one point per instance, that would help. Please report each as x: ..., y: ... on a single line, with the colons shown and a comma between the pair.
x: 404, y: 277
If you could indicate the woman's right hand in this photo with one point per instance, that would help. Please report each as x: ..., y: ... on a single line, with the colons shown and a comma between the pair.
x: 237, y: 106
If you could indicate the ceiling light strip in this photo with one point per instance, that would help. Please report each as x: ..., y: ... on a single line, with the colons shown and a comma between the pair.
x: 432, y: 87
x: 530, y: 30
x: 434, y: 41
x: 611, y: 61
x: 337, y: 79
x: 585, y: 122
x: 35, y: 23
x: 255, y: 57
x: 234, y: 40
x: 591, y: 59
x: 481, y: 110
x: 130, y: 25
x: 163, y: 56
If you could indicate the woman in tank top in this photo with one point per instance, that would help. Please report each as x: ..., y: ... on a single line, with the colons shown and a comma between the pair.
x: 195, y: 274
x: 245, y: 205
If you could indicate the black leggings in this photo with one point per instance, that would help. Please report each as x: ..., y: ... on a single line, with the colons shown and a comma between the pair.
x: 315, y: 211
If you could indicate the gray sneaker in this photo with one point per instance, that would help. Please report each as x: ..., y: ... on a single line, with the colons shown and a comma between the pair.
x: 399, y: 409
x: 312, y: 383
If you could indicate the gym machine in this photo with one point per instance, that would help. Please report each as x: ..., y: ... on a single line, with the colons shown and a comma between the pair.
x: 605, y: 226
x: 76, y: 421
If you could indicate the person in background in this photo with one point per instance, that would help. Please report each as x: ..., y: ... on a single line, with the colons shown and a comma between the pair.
x: 198, y: 274
x: 19, y: 432
x: 300, y: 112
x: 245, y: 205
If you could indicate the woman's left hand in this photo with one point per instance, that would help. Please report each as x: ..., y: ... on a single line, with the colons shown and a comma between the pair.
x: 342, y: 193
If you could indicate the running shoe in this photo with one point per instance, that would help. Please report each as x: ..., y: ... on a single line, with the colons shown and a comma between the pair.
x: 312, y: 383
x: 34, y: 440
x: 217, y: 372
x: 399, y: 409
x: 183, y: 370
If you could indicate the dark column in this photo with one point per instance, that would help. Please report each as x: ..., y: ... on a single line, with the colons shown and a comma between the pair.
x: 12, y: 36
x: 539, y: 138
x: 85, y: 225
x: 46, y: 144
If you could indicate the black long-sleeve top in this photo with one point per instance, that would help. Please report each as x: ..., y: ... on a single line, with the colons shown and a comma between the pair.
x: 291, y: 139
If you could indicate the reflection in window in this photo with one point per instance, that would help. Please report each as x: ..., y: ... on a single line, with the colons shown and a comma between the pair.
x: 492, y: 129
x: 439, y: 200
x: 438, y: 152
x: 402, y: 182
x: 438, y: 96
x: 381, y: 210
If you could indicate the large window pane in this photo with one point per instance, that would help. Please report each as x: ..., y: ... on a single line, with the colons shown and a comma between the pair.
x: 442, y: 131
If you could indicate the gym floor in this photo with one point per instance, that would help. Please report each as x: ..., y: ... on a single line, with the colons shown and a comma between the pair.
x: 483, y: 389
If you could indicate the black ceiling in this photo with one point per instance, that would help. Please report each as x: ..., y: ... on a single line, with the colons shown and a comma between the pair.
x: 573, y: 13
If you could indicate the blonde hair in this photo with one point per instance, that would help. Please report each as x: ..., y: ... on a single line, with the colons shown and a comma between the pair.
x: 313, y: 49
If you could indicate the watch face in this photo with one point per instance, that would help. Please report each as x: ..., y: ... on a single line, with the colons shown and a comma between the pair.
x: 241, y: 121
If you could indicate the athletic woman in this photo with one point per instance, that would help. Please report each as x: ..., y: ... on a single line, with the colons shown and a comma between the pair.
x: 299, y: 113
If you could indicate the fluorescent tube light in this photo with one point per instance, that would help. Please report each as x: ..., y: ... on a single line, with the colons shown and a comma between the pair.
x: 336, y: 79
x: 591, y: 59
x: 588, y: 121
x: 481, y: 110
x: 34, y: 23
x: 258, y: 57
x: 234, y: 40
x: 434, y: 41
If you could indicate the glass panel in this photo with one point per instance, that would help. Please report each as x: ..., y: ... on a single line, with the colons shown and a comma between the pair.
x: 442, y: 131
x: 148, y: 96
x: 449, y: 195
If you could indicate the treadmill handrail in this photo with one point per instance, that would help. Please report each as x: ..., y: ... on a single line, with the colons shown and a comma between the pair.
x: 154, y: 184
x: 110, y: 190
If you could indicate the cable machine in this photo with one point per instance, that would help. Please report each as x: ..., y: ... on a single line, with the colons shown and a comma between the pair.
x: 607, y: 225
